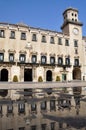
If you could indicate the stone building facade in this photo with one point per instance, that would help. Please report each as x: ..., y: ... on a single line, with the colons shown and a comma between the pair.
x: 29, y: 52
x: 35, y: 54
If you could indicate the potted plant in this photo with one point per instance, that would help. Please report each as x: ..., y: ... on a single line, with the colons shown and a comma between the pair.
x: 40, y: 79
x: 15, y: 78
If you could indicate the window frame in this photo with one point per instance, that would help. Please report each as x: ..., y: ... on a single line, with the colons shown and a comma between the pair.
x: 22, y: 58
x: 67, y: 61
x: 23, y: 36
x: 52, y: 58
x: 1, y: 57
x: 66, y: 42
x: 21, y: 108
x: 60, y: 61
x: 43, y: 105
x: 59, y: 41
x: 34, y: 58
x: 12, y: 35
x: 34, y: 37
x: 52, y: 40
x: 11, y: 57
x: 2, y: 33
x: 75, y: 43
x: 8, y: 108
x: 43, y: 39
x: 43, y: 59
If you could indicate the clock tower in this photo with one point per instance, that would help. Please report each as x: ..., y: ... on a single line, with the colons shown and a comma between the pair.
x: 72, y: 27
x: 71, y: 24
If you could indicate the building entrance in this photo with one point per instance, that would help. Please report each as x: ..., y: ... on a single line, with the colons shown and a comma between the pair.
x: 77, y: 74
x: 49, y: 75
x: 4, y: 77
x: 28, y: 75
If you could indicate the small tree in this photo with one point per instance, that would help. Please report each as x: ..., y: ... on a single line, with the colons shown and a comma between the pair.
x: 57, y: 78
x: 40, y: 79
x: 15, y: 78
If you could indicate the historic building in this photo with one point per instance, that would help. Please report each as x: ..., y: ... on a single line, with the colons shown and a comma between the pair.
x: 35, y: 54
x: 29, y: 52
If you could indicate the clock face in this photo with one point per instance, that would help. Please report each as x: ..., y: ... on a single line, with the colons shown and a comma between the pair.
x: 75, y: 31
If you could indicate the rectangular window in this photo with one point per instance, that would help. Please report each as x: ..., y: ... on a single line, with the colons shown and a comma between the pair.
x: 52, y: 105
x: 21, y: 108
x: 11, y: 57
x: 64, y: 77
x: 52, y: 60
x: 75, y: 43
x: 52, y: 40
x: 10, y: 108
x: 34, y: 37
x: 43, y: 105
x: 33, y: 107
x: 52, y: 125
x: 1, y: 33
x: 76, y: 62
x: 0, y: 109
x: 12, y: 35
x: 59, y: 41
x: 43, y: 126
x: 76, y: 51
x: 43, y: 38
x: 67, y: 61
x: 34, y: 58
x: 33, y: 127
x: 22, y: 58
x: 66, y: 42
x: 1, y: 57
x: 23, y: 36
x: 43, y: 59
x: 60, y: 61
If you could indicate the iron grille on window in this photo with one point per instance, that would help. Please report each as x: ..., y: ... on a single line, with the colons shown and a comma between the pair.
x: 67, y: 61
x: 34, y: 58
x: 21, y: 108
x: 52, y: 60
x: 43, y: 59
x: 33, y: 107
x: 22, y: 58
x: 76, y: 62
x: 60, y: 60
x: 11, y: 57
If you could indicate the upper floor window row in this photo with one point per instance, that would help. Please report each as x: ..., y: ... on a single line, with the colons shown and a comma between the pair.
x: 34, y: 37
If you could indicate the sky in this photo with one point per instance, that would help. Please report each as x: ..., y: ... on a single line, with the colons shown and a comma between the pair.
x: 45, y: 14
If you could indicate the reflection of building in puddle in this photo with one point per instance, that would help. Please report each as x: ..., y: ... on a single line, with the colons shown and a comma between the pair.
x: 48, y: 113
